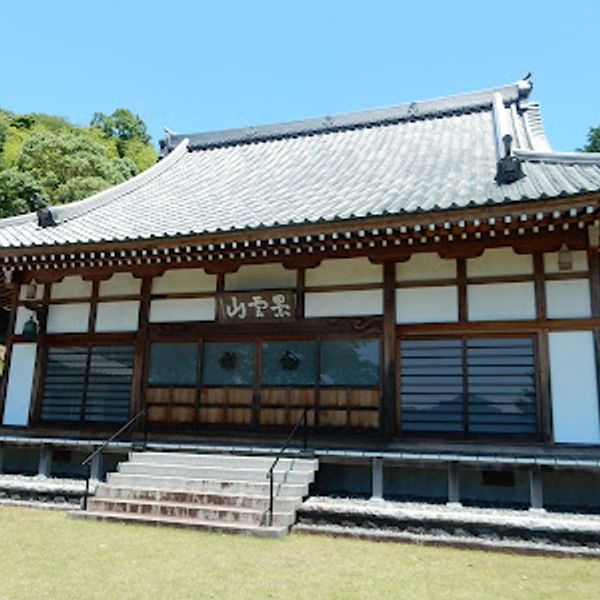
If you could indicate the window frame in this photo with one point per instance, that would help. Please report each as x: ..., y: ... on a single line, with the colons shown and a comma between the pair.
x: 465, y: 432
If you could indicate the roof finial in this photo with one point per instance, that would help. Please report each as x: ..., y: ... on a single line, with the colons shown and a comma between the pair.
x: 45, y: 216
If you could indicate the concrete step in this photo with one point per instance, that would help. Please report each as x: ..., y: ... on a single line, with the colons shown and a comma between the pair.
x: 240, y: 528
x: 200, y: 512
x: 281, y: 474
x: 204, y: 485
x: 258, y: 502
x: 223, y: 460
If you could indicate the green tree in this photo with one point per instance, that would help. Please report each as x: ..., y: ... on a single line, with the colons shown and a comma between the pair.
x: 68, y: 166
x: 16, y: 188
x: 593, y: 140
x: 129, y: 133
x: 63, y: 162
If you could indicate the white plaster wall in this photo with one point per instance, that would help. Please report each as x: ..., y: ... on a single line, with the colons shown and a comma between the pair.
x: 68, y: 318
x: 580, y: 261
x: 574, y: 389
x: 117, y: 316
x: 182, y: 309
x: 343, y: 304
x: 184, y: 280
x: 424, y: 266
x: 120, y: 284
x: 260, y: 277
x: 499, y: 261
x: 20, y: 383
x: 344, y: 271
x: 497, y: 301
x: 568, y: 298
x: 427, y: 305
x: 22, y: 317
x: 71, y: 287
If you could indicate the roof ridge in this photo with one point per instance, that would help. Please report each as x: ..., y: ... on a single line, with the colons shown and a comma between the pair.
x: 558, y: 157
x: 413, y: 110
x: 67, y: 212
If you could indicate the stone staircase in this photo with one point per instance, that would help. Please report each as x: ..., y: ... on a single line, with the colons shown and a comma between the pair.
x: 218, y: 492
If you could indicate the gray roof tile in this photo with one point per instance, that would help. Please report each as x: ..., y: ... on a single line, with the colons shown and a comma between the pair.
x: 426, y: 156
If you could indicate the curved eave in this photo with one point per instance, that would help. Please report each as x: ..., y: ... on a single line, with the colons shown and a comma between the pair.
x: 289, y: 230
x: 66, y: 212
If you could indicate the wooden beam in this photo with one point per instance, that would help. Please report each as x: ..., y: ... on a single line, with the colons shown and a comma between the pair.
x: 41, y: 360
x: 138, y: 378
x: 388, y: 414
x: 9, y: 344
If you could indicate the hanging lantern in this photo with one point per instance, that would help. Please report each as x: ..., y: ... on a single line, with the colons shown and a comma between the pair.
x: 565, y: 259
x: 30, y: 330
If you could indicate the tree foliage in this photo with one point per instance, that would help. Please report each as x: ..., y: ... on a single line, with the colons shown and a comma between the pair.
x: 47, y: 154
x: 593, y: 140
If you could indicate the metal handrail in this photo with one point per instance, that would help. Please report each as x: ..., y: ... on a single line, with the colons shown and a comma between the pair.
x: 87, y: 461
x: 301, y: 420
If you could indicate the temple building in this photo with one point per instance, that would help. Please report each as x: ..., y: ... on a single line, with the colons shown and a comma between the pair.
x: 422, y: 281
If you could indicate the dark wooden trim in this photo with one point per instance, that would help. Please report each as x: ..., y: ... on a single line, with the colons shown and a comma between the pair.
x: 388, y: 415
x: 355, y: 326
x: 539, y: 285
x: 345, y: 287
x: 41, y: 359
x: 257, y: 384
x: 544, y: 405
x: 465, y: 385
x: 87, y: 300
x: 544, y: 394
x: 482, y: 280
x: 566, y: 275
x: 70, y: 339
x: 93, y: 306
x: 183, y: 295
x: 461, y: 282
x: 220, y: 283
x: 420, y: 283
x: 10, y: 338
x: 594, y: 274
x: 198, y: 396
x: 514, y: 326
x: 300, y: 290
x: 141, y: 351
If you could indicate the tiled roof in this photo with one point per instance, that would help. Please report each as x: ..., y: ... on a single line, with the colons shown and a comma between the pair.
x: 434, y: 155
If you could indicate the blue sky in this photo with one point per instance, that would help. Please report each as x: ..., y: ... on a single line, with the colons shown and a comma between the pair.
x: 196, y: 66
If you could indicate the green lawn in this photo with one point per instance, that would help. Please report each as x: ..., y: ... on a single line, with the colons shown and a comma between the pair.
x: 47, y: 555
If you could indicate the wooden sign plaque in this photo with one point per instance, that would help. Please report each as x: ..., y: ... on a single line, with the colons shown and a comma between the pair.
x: 272, y: 306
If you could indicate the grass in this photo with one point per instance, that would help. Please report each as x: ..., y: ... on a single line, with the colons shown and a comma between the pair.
x: 44, y: 554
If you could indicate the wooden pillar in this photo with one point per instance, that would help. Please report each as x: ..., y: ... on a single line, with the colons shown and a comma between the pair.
x: 461, y: 284
x: 536, y: 491
x: 9, y: 343
x: 594, y: 274
x: 453, y: 484
x: 543, y: 356
x: 140, y: 352
x: 41, y: 358
x: 377, y: 478
x: 1, y: 459
x: 389, y: 413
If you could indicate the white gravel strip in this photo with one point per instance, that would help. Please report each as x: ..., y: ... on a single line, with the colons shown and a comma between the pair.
x: 494, y: 516
x: 42, y: 505
x: 442, y: 539
x: 38, y: 483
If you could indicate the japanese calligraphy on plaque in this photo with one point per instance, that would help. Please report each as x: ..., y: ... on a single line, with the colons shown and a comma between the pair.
x: 256, y: 307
